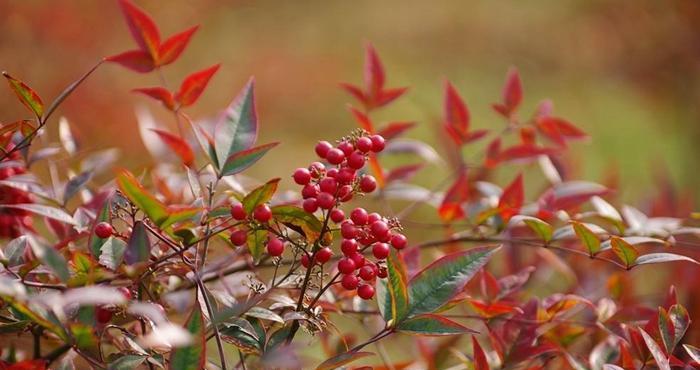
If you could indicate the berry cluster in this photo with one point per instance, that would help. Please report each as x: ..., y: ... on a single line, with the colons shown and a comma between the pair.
x: 13, y: 221
x: 261, y: 214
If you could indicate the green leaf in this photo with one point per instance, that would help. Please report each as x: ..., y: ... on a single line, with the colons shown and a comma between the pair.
x: 260, y: 195
x: 443, y: 279
x: 26, y: 95
x: 541, y: 228
x: 95, y: 242
x: 13, y: 327
x: 137, y: 194
x: 206, y: 142
x: 127, y: 362
x: 656, y: 352
x: 588, y: 237
x: 238, y: 128
x: 295, y: 216
x: 624, y: 251
x: 138, y: 249
x: 192, y: 357
x: 432, y: 325
x: 50, y: 257
x: 112, y: 253
x: 342, y: 359
x: 244, y: 339
x: 265, y: 314
x: 681, y: 321
x: 661, y: 258
x: 666, y: 330
x: 42, y: 210
x: 239, y: 161
x: 257, y: 240
x: 397, y: 286
x: 178, y: 214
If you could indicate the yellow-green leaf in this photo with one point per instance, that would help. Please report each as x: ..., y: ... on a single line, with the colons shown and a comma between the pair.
x: 624, y: 251
x: 26, y: 95
x: 588, y: 237
x: 432, y: 325
x: 137, y: 194
x: 260, y: 195
x: 397, y: 286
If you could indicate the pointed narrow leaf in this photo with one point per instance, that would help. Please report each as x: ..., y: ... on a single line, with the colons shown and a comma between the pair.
x: 457, y: 194
x: 257, y: 240
x: 69, y: 90
x: 587, y: 237
x: 178, y: 145
x: 43, y: 210
x: 666, y: 330
x: 50, y: 258
x: 512, y: 198
x: 432, y: 325
x: 443, y: 279
x: 138, y: 195
x: 193, y: 356
x: 624, y: 251
x: 135, y: 60
x: 138, y: 248
x: 295, y: 216
x: 193, y: 86
x: 342, y: 359
x: 239, y: 161
x: 693, y: 352
x: 260, y: 195
x: 171, y: 48
x: 142, y: 28
x: 681, y: 321
x: 540, y: 227
x: 456, y: 115
x: 75, y: 184
x: 112, y: 253
x: 238, y: 128
x: 661, y: 258
x: 656, y: 352
x: 480, y: 362
x: 26, y: 95
x: 158, y: 93
x: 397, y: 286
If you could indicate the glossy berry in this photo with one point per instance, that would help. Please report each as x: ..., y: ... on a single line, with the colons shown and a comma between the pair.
x: 367, y: 273
x: 302, y: 176
x: 323, y: 255
x: 398, y: 241
x: 262, y: 213
x: 103, y: 230
x: 368, y: 184
x: 275, y: 247
x: 103, y: 315
x: 310, y: 205
x: 125, y: 292
x: 238, y: 212
x: 332, y: 172
x: 350, y: 282
x: 348, y: 247
x: 379, y: 229
x: 328, y: 185
x: 322, y: 148
x: 335, y: 156
x: 325, y: 200
x: 337, y: 216
x: 346, y: 147
x: 309, y: 191
x: 239, y: 237
x: 317, y: 169
x: 365, y: 291
x: 364, y: 144
x: 382, y: 273
x: 359, y: 216
x: 345, y: 175
x: 380, y: 251
x: 348, y: 230
x: 346, y: 265
x: 378, y: 143
x: 356, y: 160
x: 305, y: 260
x: 345, y: 193
x: 359, y: 260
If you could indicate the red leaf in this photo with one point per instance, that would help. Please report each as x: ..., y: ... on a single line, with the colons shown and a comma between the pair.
x: 559, y: 129
x: 393, y: 129
x: 28, y: 365
x: 489, y: 285
x: 490, y: 310
x: 135, y: 60
x: 171, y: 48
x: 527, y: 135
x: 356, y: 92
x: 362, y: 119
x: 523, y: 151
x: 193, y: 86
x: 451, y: 207
x: 178, y: 145
x: 387, y: 96
x: 374, y: 73
x: 403, y: 172
x: 493, y: 152
x: 456, y: 114
x: 480, y: 362
x: 511, y: 199
x: 512, y: 91
x: 142, y: 28
x: 158, y: 93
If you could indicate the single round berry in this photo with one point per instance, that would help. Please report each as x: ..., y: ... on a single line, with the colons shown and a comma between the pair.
x: 325, y: 200
x: 367, y: 273
x: 378, y: 143
x: 356, y: 160
x: 380, y: 251
x: 359, y: 216
x: 346, y: 147
x: 310, y: 205
x: 323, y: 255
x: 328, y: 185
x: 239, y: 237
x: 335, y: 156
x: 379, y: 229
x: 368, y: 184
x: 309, y: 191
x: 305, y: 260
x: 365, y: 291
x: 125, y: 292
x: 348, y: 247
x: 262, y: 213
x: 398, y: 241
x: 275, y: 247
x: 348, y: 230
x: 103, y: 315
x: 346, y: 175
x: 346, y: 266
x: 373, y: 217
x: 103, y: 230
x: 322, y: 148
x: 345, y: 193
x: 332, y: 172
x: 302, y: 176
x: 364, y: 144
x: 382, y: 273
x: 317, y: 169
x: 337, y: 216
x: 350, y: 282
x: 359, y: 259
x: 238, y: 212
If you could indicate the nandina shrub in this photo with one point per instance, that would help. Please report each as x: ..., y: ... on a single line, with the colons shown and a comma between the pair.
x: 193, y: 266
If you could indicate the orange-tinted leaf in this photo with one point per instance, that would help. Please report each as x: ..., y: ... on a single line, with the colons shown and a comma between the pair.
x: 456, y: 114
x: 490, y: 310
x: 363, y: 120
x: 26, y: 95
x: 527, y: 135
x: 512, y: 198
x: 193, y: 86
x: 624, y: 251
x: 389, y: 95
x: 451, y: 207
x: 159, y: 93
x: 142, y: 28
x: 355, y: 91
x: 135, y: 60
x: 480, y: 362
x: 178, y: 145
x: 377, y: 170
x: 171, y: 48
x: 394, y: 129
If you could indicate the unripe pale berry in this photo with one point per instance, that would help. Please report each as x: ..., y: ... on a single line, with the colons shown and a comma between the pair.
x: 367, y: 273
x: 378, y: 143
x: 350, y: 282
x: 238, y: 212
x: 356, y: 160
x: 398, y: 241
x: 325, y: 200
x: 322, y: 148
x: 346, y: 266
x: 368, y: 184
x: 365, y: 291
x: 364, y: 144
x: 359, y: 216
x: 275, y: 247
x: 262, y: 213
x: 239, y: 237
x: 302, y: 176
x: 103, y: 230
x: 380, y: 251
x: 348, y: 247
x: 323, y: 255
x: 310, y: 205
x: 335, y: 156
x: 337, y: 216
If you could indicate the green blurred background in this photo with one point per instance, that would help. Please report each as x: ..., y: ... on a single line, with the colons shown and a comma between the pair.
x: 625, y: 71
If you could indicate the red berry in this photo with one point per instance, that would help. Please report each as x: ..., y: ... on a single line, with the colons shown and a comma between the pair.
x: 309, y: 191
x: 382, y: 273
x: 380, y: 251
x: 310, y: 205
x: 346, y: 266
x: 275, y: 247
x: 356, y: 160
x: 332, y: 172
x: 346, y: 175
x: 305, y: 261
x: 373, y: 217
x: 302, y: 176
x: 367, y: 273
x: 322, y: 148
x: 398, y: 241
x: 359, y: 259
x: 345, y: 193
x: 125, y: 292
x: 348, y: 230
x: 239, y: 237
x: 364, y: 144
x: 379, y: 229
x: 346, y: 147
x: 328, y: 185
x: 359, y: 216
x: 348, y: 247
x: 378, y: 143
x: 262, y: 213
x: 335, y: 156
x: 323, y: 255
x: 238, y: 212
x: 103, y: 315
x: 368, y: 183
x: 317, y: 169
x: 365, y: 291
x: 366, y: 239
x: 325, y: 200
x: 349, y: 282
x: 103, y: 230
x: 337, y: 216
